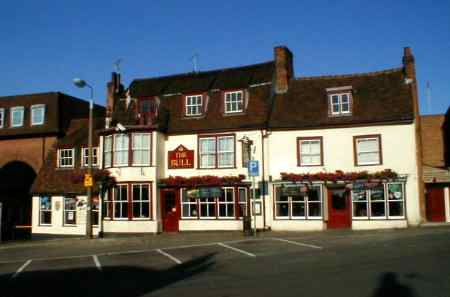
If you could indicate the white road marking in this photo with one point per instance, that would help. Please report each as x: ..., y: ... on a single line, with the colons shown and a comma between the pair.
x: 21, y: 268
x: 298, y: 243
x: 97, y: 262
x: 169, y: 256
x: 236, y: 249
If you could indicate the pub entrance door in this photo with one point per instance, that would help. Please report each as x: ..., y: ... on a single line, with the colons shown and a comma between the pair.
x: 339, y: 209
x: 170, y: 210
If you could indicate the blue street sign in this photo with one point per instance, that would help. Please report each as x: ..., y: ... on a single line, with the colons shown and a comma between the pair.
x: 253, y: 168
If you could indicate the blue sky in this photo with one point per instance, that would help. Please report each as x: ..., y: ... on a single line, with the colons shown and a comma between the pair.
x: 47, y: 43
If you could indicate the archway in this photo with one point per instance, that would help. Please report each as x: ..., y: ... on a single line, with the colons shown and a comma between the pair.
x: 16, y: 179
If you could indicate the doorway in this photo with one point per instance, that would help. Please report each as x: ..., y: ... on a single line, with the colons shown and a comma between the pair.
x: 170, y: 210
x: 339, y: 210
x: 435, y: 204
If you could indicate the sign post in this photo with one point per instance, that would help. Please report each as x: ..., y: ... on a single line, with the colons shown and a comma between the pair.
x: 253, y: 171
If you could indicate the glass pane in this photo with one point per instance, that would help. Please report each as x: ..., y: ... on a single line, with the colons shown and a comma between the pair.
x: 46, y: 203
x: 69, y: 218
x: 315, y: 209
x: 377, y: 193
x: 338, y: 200
x: 242, y: 195
x: 298, y: 209
x: 230, y: 209
x: 298, y: 198
x: 359, y: 195
x: 395, y: 191
x: 222, y: 210
x: 314, y: 194
x: 359, y: 209
x: 282, y: 209
x: 367, y: 145
x: 377, y: 209
x: 46, y: 217
x: 345, y: 107
x: 335, y: 99
x: 185, y: 210
x: 137, y: 140
x: 395, y: 208
x: 368, y: 158
x: 225, y: 144
x: 344, y: 98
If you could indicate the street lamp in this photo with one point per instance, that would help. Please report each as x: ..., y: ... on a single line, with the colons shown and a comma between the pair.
x: 81, y: 84
x: 245, y: 140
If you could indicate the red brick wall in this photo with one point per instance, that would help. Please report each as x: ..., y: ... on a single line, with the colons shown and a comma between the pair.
x: 32, y: 151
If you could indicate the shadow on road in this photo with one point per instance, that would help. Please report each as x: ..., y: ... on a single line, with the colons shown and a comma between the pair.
x: 389, y: 286
x: 112, y: 281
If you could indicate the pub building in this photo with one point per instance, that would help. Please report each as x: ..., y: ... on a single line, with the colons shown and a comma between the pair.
x: 332, y: 151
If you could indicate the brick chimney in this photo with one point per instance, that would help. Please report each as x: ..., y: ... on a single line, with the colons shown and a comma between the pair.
x: 284, y: 70
x: 114, y: 91
x: 409, y: 63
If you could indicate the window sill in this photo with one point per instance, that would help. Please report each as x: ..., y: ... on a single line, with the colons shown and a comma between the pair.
x: 363, y: 165
x: 230, y: 114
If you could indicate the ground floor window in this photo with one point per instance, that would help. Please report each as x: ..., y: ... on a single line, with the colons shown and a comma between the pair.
x: 45, y: 210
x: 383, y: 201
x: 95, y: 211
x: 70, y: 211
x: 130, y: 201
x: 298, y: 202
x: 213, y: 203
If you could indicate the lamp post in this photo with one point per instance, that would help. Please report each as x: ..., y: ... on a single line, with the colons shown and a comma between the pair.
x: 248, y: 217
x: 81, y: 84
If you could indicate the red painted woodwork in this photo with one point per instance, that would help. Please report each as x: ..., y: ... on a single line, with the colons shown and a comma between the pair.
x: 170, y: 210
x: 339, y: 209
x: 435, y: 204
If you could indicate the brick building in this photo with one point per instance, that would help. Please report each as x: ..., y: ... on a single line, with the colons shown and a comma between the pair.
x: 30, y: 125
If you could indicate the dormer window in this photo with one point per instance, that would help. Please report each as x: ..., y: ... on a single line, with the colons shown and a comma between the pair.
x: 234, y: 102
x: 340, y: 101
x: 2, y: 117
x: 37, y: 114
x: 194, y: 105
x: 17, y: 116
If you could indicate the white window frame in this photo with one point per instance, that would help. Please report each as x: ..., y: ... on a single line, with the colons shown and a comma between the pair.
x: 85, y: 156
x: 37, y: 108
x: 210, y: 202
x: 242, y: 203
x: 216, y: 152
x: 45, y: 210
x: 306, y: 203
x: 226, y: 202
x: 186, y: 201
x: 141, y: 201
x: 340, y: 103
x: 306, y: 141
x: 196, y: 106
x: 229, y: 100
x: 403, y: 201
x: 108, y: 151
x: 142, y: 150
x: 116, y: 151
x: 65, y: 211
x: 119, y: 203
x: 359, y: 139
x: 2, y: 117
x: 20, y: 109
x: 61, y: 158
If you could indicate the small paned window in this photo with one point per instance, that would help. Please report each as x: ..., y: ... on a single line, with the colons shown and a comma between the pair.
x: 217, y: 151
x: 66, y: 157
x: 367, y: 150
x: 17, y: 116
x: 194, y: 105
x: 234, y: 102
x: 141, y: 149
x: 108, y: 151
x: 45, y: 210
x: 298, y: 202
x: 120, y: 202
x: 384, y: 201
x: 340, y: 104
x: 37, y: 114
x: 226, y: 203
x: 70, y: 211
x: 85, y: 158
x: 310, y: 151
x: 2, y: 117
x: 141, y: 201
x: 120, y: 150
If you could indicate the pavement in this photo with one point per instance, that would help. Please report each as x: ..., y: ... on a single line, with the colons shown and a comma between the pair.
x: 406, y: 262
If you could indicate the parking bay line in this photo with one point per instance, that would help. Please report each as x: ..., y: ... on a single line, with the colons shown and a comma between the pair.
x: 97, y: 262
x: 169, y: 256
x: 21, y: 268
x: 236, y: 249
x: 298, y: 243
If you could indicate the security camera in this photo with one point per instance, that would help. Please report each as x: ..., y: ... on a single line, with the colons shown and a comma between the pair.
x: 120, y: 127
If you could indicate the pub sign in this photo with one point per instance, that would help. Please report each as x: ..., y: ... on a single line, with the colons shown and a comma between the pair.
x: 181, y: 158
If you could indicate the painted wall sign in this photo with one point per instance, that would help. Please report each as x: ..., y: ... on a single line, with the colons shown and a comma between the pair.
x: 181, y: 158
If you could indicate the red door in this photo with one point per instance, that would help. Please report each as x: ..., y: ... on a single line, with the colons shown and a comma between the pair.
x: 339, y: 215
x: 170, y: 210
x: 435, y: 205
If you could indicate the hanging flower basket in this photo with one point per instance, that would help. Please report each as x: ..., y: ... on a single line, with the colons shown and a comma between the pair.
x: 201, y: 181
x: 340, y: 176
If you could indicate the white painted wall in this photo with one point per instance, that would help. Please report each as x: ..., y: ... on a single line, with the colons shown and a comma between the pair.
x: 57, y: 226
x: 398, y: 152
x: 447, y: 203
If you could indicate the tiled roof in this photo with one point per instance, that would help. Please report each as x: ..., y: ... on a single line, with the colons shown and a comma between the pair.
x: 53, y: 180
x: 229, y: 78
x: 377, y: 97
